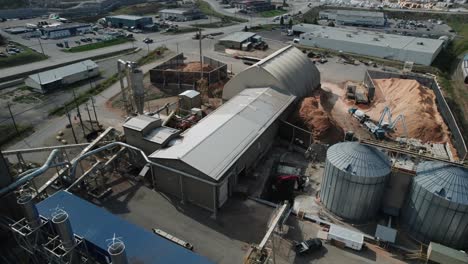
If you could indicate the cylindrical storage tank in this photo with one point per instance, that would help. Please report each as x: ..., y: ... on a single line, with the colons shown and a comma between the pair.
x: 437, y: 205
x: 117, y: 252
x: 64, y: 229
x: 354, y: 180
x: 30, y: 211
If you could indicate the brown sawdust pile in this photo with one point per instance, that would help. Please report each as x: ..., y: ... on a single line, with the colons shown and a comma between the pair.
x: 195, y: 67
x: 416, y: 103
x: 314, y: 117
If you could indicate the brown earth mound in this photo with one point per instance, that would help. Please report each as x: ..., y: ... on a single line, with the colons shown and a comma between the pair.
x: 195, y: 67
x: 416, y: 103
x: 312, y: 115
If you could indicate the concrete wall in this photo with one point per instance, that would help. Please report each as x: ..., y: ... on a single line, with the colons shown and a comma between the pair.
x: 444, y: 109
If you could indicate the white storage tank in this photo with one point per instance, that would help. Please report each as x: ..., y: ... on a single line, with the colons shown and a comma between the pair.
x: 354, y: 180
x: 437, y: 205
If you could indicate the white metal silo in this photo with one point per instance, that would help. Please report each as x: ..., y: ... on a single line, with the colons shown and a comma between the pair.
x: 437, y: 205
x: 354, y: 180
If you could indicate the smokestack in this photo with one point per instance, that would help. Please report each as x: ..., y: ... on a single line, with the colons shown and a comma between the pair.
x: 64, y: 230
x: 30, y: 211
x: 116, y: 251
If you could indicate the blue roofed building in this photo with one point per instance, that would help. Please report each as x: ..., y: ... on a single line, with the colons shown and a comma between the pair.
x: 96, y: 226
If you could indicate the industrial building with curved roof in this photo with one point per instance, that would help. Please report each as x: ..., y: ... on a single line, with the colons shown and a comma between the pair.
x: 287, y: 69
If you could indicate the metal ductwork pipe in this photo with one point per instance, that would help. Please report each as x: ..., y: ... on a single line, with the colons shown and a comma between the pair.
x: 117, y: 252
x: 30, y: 211
x: 64, y: 230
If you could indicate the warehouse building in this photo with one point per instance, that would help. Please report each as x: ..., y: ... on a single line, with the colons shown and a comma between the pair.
x: 182, y: 14
x: 253, y: 5
x: 220, y: 150
x: 287, y: 69
x: 393, y: 47
x: 64, y: 31
x: 47, y: 81
x: 354, y: 18
x: 239, y: 40
x: 128, y: 21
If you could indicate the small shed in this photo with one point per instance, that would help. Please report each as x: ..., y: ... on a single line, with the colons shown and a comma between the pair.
x: 236, y: 40
x: 190, y: 99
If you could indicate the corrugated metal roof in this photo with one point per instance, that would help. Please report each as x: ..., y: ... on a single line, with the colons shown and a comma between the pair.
x: 139, y: 123
x: 215, y: 143
x: 446, y: 181
x: 358, y: 159
x: 96, y: 225
x: 126, y: 17
x: 238, y: 36
x: 176, y: 11
x: 161, y: 135
x: 293, y: 69
x: 59, y: 73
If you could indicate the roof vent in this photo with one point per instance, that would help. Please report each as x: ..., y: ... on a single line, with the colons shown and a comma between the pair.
x: 441, y: 192
x: 420, y: 43
x: 349, y: 35
x: 376, y: 39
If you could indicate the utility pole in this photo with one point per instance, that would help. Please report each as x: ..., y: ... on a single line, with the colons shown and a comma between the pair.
x: 201, y: 58
x: 71, y: 124
x: 13, y: 119
x: 78, y: 112
x: 89, y: 116
x: 94, y: 109
x: 40, y: 44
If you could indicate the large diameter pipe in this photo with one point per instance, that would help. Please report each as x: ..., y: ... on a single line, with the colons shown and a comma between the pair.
x: 64, y: 229
x: 30, y: 211
x: 33, y: 173
x: 113, y: 144
x: 117, y: 253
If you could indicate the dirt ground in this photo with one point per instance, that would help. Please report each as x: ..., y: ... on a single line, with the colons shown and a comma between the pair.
x: 195, y: 67
x: 333, y: 102
x: 313, y: 116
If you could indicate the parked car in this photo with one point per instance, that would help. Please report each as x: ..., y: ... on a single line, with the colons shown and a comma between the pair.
x: 296, y: 40
x: 60, y: 45
x: 148, y: 40
x: 308, y: 246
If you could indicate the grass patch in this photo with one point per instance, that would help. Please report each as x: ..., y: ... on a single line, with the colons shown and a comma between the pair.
x: 97, y: 45
x: 180, y: 30
x: 152, y: 56
x: 139, y: 9
x: 272, y: 13
x: 85, y: 96
x: 207, y: 10
x: 8, y: 132
x: 214, y: 24
x: 26, y: 56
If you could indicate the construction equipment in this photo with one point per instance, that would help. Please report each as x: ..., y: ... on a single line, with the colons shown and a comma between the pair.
x: 351, y: 91
x: 388, y: 124
x: 260, y: 254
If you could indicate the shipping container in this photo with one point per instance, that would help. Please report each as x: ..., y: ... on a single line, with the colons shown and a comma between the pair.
x: 350, y: 238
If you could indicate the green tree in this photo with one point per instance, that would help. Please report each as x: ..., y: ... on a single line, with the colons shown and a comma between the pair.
x: 282, y: 21
x: 290, y: 23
